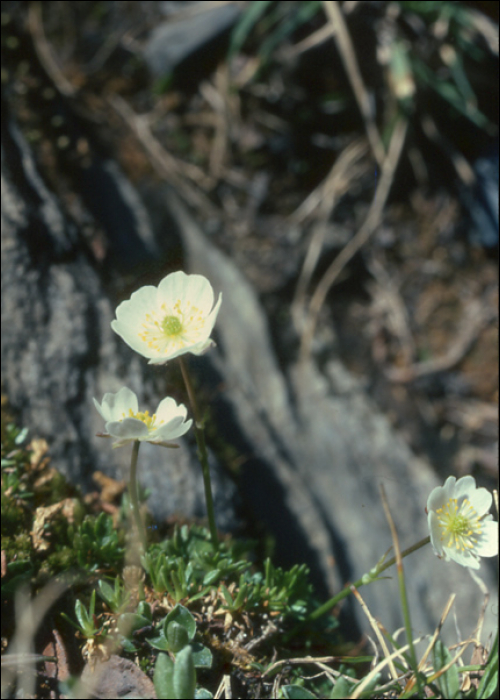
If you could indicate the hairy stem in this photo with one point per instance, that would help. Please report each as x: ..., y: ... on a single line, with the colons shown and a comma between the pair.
x: 134, y: 498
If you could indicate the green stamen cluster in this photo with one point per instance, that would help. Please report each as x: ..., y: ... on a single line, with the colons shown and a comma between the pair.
x: 460, y: 525
x: 171, y: 325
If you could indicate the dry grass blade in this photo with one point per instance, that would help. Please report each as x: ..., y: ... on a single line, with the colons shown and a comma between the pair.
x: 388, y: 301
x: 476, y: 317
x: 348, y: 55
x: 398, y: 653
x: 44, y: 50
x: 324, y: 199
x: 29, y: 615
x: 376, y: 628
x: 166, y: 165
x: 371, y: 222
x: 411, y: 683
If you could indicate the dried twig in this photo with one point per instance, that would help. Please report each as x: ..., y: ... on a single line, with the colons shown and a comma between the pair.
x: 376, y: 628
x: 217, y: 97
x: 370, y: 224
x: 224, y: 687
x: 166, y: 165
x: 29, y: 616
x: 388, y: 300
x: 461, y: 165
x: 44, y: 50
x: 324, y: 198
x: 348, y: 56
x: 476, y: 317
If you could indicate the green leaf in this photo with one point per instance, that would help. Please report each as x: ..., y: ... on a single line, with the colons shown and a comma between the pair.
x: 449, y: 682
x: 160, y: 643
x: 107, y: 593
x: 342, y: 689
x: 177, y: 636
x: 202, y: 656
x: 184, y: 675
x: 144, y: 609
x: 21, y: 437
x: 183, y: 617
x: 86, y: 623
x: 489, y: 682
x: 228, y: 597
x: 295, y: 692
x: 449, y: 92
x: 202, y: 694
x: 163, y: 678
x: 248, y: 21
x: 211, y: 577
x: 129, y: 622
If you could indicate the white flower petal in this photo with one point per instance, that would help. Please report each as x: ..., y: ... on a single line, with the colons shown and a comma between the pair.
x: 115, y: 405
x: 435, y: 533
x: 194, y: 289
x: 488, y: 543
x: 123, y: 402
x: 464, y: 487
x: 437, y: 498
x: 130, y: 333
x: 481, y: 501
x: 168, y: 408
x: 101, y: 409
x: 459, y: 529
x: 129, y: 428
x: 172, y: 430
x: 140, y: 303
x: 201, y: 348
x: 143, y: 320
x: 449, y: 486
x: 464, y: 558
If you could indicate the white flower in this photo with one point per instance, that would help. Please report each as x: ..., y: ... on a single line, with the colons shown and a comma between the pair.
x: 125, y: 423
x: 458, y: 524
x: 163, y: 322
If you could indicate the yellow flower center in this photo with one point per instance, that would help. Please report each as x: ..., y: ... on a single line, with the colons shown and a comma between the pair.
x: 460, y: 525
x: 172, y: 328
x: 171, y: 325
x: 144, y: 417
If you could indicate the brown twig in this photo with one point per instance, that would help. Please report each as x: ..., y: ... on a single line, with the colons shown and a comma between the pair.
x: 388, y: 300
x: 217, y: 96
x: 348, y: 55
x: 324, y: 198
x: 44, y: 50
x: 375, y: 625
x: 370, y: 224
x: 476, y: 317
x: 165, y: 164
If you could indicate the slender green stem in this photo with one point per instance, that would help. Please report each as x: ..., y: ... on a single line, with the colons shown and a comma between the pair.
x: 373, y: 575
x: 402, y: 590
x: 134, y: 498
x: 202, y: 454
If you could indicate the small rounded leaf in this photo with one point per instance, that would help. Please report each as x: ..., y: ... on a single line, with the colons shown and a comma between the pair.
x: 182, y: 615
x: 177, y: 636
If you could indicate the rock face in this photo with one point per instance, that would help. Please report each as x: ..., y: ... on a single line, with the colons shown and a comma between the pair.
x: 317, y: 452
x: 314, y: 449
x: 58, y: 349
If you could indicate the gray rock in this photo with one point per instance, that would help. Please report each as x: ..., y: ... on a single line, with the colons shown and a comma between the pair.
x: 319, y: 451
x: 58, y: 349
